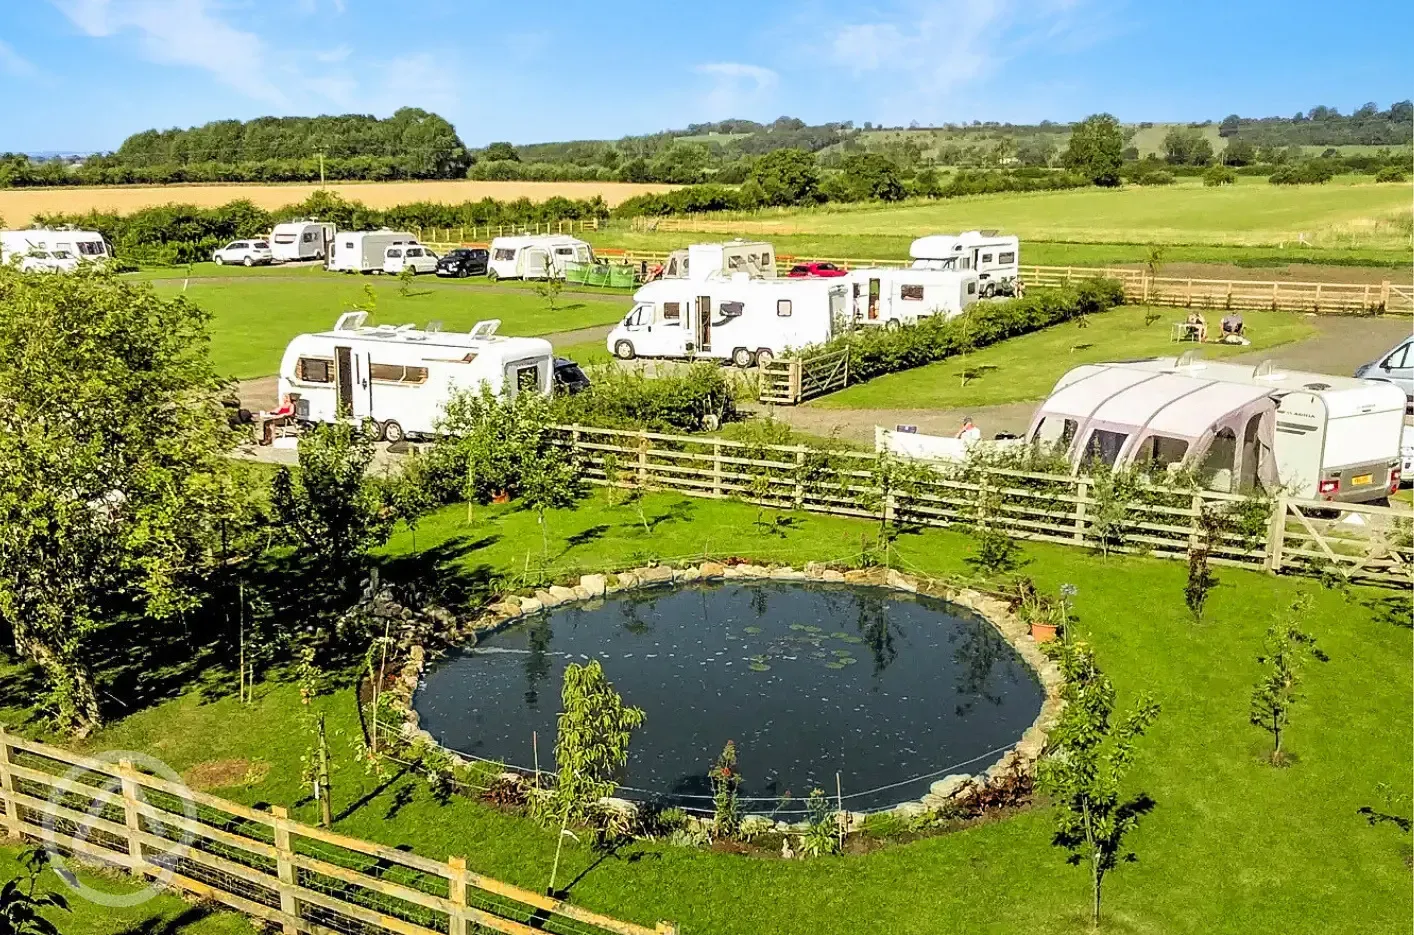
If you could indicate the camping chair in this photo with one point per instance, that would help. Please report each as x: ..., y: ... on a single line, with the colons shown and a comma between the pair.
x: 1186, y: 331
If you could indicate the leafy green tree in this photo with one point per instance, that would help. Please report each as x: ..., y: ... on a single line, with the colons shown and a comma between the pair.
x: 1095, y: 149
x: 1239, y: 152
x: 873, y: 176
x: 328, y: 504
x: 1218, y: 175
x: 1090, y: 752
x: 787, y: 177
x: 681, y: 164
x: 551, y: 480
x: 1187, y: 146
x: 21, y: 901
x: 500, y: 151
x: 1285, y: 652
x: 592, y: 738
x: 116, y: 492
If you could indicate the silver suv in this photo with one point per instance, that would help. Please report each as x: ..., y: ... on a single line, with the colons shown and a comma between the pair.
x: 1396, y: 367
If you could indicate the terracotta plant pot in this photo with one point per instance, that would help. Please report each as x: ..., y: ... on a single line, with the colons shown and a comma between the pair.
x: 1043, y: 632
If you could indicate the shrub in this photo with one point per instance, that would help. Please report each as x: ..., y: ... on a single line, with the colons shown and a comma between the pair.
x: 1152, y: 177
x: 1219, y: 175
x: 1310, y: 172
x: 1391, y: 174
x: 678, y: 402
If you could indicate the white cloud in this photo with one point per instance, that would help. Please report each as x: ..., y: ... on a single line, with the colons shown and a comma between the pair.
x: 14, y: 64
x: 737, y: 89
x: 334, y: 55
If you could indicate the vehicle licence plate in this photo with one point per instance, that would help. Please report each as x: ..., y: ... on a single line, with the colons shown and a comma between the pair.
x: 1362, y: 479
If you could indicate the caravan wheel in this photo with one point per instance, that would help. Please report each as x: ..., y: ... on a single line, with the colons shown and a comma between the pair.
x: 742, y: 357
x: 893, y: 324
x: 989, y: 290
x: 393, y: 432
x: 764, y: 357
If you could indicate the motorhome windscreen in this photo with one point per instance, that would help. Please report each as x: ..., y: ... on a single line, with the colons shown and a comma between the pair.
x: 91, y: 248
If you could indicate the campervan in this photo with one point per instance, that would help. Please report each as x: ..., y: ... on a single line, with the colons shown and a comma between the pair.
x: 364, y: 251
x: 536, y: 256
x: 301, y: 240
x: 740, y: 318
x: 1337, y: 438
x: 701, y: 260
x: 995, y: 259
x: 401, y: 378
x: 894, y: 297
x: 45, y: 248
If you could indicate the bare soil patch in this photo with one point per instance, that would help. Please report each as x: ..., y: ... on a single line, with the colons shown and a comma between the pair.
x: 1292, y: 272
x: 223, y: 774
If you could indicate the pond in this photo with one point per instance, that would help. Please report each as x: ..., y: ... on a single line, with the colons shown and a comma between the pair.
x: 888, y: 689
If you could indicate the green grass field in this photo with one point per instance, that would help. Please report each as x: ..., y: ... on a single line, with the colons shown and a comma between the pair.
x: 1233, y: 845
x: 1027, y: 367
x: 254, y: 318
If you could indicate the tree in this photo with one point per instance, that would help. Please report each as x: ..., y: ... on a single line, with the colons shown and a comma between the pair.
x: 1217, y: 175
x: 873, y: 176
x: 1229, y: 125
x: 116, y: 492
x: 549, y: 286
x: 681, y: 164
x: 592, y: 738
x: 1095, y: 149
x: 1285, y: 652
x: 1090, y: 754
x: 726, y: 792
x: 1239, y: 152
x: 787, y: 177
x: 21, y: 903
x: 1187, y: 146
x: 328, y: 504
x: 552, y: 479
x: 498, y: 152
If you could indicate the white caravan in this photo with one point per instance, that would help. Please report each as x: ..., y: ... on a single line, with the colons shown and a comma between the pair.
x: 301, y: 240
x: 1337, y: 438
x: 364, y: 251
x: 995, y: 259
x: 701, y: 260
x: 536, y: 256
x: 402, y: 378
x: 740, y: 318
x: 893, y: 297
x: 43, y: 248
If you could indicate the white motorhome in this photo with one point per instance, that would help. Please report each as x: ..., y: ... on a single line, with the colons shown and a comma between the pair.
x: 400, y: 377
x: 700, y: 260
x: 364, y: 251
x: 740, y: 318
x: 1337, y: 438
x: 536, y: 256
x: 995, y: 259
x: 893, y: 297
x: 301, y: 240
x: 45, y: 248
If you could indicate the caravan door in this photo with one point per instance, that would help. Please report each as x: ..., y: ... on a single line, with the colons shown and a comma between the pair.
x: 702, y: 323
x: 352, y: 388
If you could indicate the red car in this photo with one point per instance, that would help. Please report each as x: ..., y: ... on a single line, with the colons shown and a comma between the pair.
x: 806, y: 270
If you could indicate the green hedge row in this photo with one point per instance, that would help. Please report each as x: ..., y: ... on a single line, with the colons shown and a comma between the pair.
x: 877, y: 351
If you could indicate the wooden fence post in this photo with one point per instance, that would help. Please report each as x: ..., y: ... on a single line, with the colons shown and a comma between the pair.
x: 1188, y: 295
x: 799, y: 498
x: 717, y: 469
x: 131, y: 818
x: 1384, y: 295
x: 7, y: 788
x: 456, y: 895
x: 1276, y: 533
x: 1318, y: 298
x: 1274, y: 296
x: 794, y: 390
x: 643, y: 461
x: 1082, y: 492
x: 285, y: 867
x: 1146, y: 279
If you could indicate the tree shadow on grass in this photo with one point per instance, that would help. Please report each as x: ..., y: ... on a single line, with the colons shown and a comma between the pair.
x: 679, y: 512
x: 170, y: 925
x: 585, y: 536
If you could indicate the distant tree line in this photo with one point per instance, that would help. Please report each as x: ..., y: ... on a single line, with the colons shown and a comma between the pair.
x: 1326, y: 126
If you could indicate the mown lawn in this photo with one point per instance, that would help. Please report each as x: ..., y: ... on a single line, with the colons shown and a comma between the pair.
x: 254, y: 318
x: 1027, y: 367
x: 1233, y: 846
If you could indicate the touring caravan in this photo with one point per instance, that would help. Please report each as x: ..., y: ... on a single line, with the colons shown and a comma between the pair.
x: 301, y: 240
x: 536, y: 256
x: 700, y: 260
x: 1337, y: 438
x: 45, y: 248
x: 894, y: 297
x: 740, y: 318
x: 995, y: 259
x: 400, y: 377
x: 364, y: 251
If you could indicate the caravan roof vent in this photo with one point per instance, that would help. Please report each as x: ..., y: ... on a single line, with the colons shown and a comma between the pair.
x: 1318, y: 386
x: 485, y: 329
x: 1268, y: 370
x: 990, y: 232
x: 351, y: 321
x: 434, y: 327
x: 1190, y: 360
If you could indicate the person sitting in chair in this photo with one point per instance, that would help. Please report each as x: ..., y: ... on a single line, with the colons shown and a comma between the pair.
x: 1198, y: 326
x: 1232, y: 329
x: 284, y: 414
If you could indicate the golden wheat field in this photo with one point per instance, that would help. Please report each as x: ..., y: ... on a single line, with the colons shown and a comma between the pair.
x: 19, y: 205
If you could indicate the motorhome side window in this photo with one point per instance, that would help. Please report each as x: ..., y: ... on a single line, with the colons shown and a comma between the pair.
x: 733, y: 262
x: 397, y: 373
x: 672, y: 311
x: 528, y: 378
x: 783, y: 308
x: 1006, y: 258
x: 564, y: 251
x: 912, y: 293
x: 986, y: 258
x: 731, y: 309
x: 315, y: 370
x: 503, y: 253
x: 972, y: 288
x: 89, y: 248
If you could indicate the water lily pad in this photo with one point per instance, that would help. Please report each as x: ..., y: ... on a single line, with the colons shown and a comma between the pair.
x: 842, y: 653
x: 848, y: 660
x: 834, y: 665
x: 798, y: 626
x: 759, y: 667
x: 752, y: 630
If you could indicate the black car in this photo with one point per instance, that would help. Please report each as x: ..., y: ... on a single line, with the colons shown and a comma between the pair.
x: 569, y: 378
x: 464, y: 261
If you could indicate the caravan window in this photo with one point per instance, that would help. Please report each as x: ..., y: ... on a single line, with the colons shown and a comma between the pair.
x: 734, y: 262
x: 528, y: 378
x: 307, y: 237
x: 731, y: 309
x: 1006, y: 258
x: 1104, y: 447
x: 972, y: 287
x: 502, y: 253
x: 1221, y: 459
x: 564, y: 251
x: 986, y: 258
x: 397, y: 373
x: 672, y: 312
x: 1159, y: 451
x: 1055, y: 431
x: 286, y: 238
x: 783, y: 308
x: 315, y: 370
x: 90, y: 248
x: 911, y: 293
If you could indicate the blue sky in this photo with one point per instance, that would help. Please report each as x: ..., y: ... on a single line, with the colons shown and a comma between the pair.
x: 81, y: 75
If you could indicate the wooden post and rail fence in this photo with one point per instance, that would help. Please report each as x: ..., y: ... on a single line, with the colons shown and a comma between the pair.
x: 299, y: 878
x: 1291, y: 535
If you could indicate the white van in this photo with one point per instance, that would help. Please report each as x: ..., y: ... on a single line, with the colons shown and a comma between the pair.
x: 894, y: 297
x: 739, y: 318
x: 995, y: 259
x: 364, y: 251
x: 298, y: 240
x: 53, y: 249
x: 402, y: 378
x: 536, y: 256
x: 402, y: 256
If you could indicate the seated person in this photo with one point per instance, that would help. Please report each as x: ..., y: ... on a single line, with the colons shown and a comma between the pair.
x: 284, y: 414
x: 1232, y: 325
x: 1197, y: 326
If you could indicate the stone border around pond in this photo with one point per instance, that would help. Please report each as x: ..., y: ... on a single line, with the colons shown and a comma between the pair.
x: 1021, y: 757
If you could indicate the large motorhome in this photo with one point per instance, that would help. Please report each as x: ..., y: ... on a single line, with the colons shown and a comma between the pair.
x: 364, y: 251
x: 701, y: 260
x: 894, y: 297
x: 401, y: 378
x: 740, y: 318
x: 44, y: 248
x: 536, y: 256
x: 995, y: 259
x: 301, y: 240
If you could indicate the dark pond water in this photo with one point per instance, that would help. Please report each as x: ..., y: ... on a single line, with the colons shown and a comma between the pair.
x: 809, y: 680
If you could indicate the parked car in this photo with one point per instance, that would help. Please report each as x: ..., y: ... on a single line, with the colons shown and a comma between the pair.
x: 804, y: 270
x: 464, y: 261
x: 1395, y: 367
x: 244, y: 252
x: 569, y: 377
x: 412, y: 256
